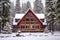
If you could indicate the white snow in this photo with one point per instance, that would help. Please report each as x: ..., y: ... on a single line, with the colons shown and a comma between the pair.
x: 40, y: 16
x: 44, y: 23
x: 31, y: 36
x: 19, y: 16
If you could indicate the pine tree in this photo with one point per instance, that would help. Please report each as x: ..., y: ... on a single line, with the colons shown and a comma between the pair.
x: 38, y: 7
x: 50, y: 14
x: 28, y: 5
x: 25, y: 6
x: 58, y: 11
x: 57, y: 15
x: 5, y: 13
x: 17, y: 7
x: 12, y: 13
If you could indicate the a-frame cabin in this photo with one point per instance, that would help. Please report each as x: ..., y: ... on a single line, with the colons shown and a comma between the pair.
x: 30, y: 23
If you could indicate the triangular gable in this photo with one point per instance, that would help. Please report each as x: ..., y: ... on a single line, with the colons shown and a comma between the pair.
x: 29, y: 13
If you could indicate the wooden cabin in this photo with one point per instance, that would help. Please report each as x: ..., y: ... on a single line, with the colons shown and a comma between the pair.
x: 30, y: 23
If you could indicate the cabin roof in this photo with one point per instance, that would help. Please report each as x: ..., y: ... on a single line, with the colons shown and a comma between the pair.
x: 30, y: 12
x: 19, y: 16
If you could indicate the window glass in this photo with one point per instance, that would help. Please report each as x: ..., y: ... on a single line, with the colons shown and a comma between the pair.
x: 32, y: 19
x: 27, y: 19
x: 27, y: 27
x: 37, y: 27
x: 16, y: 20
x: 22, y: 27
x: 29, y: 15
x: 33, y: 27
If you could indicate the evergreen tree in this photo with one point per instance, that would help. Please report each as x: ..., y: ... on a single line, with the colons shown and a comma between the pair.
x: 50, y: 14
x: 38, y: 7
x: 26, y: 6
x: 17, y: 7
x: 12, y: 13
x: 5, y: 12
x: 57, y: 11
x: 23, y: 7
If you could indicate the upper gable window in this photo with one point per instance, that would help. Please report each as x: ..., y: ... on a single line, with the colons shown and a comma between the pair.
x: 29, y: 15
x: 27, y: 19
x: 32, y: 19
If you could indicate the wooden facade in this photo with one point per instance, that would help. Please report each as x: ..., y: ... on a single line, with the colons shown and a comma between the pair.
x: 30, y: 23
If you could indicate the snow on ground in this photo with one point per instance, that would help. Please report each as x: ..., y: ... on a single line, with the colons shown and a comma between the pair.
x: 31, y: 36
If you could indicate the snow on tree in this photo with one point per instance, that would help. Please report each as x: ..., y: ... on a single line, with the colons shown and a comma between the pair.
x: 38, y: 6
x: 46, y: 30
x: 17, y: 7
x: 57, y: 9
x: 6, y: 23
x: 12, y: 13
x: 8, y: 28
x: 25, y: 6
x: 28, y: 5
x: 52, y: 8
x: 5, y: 12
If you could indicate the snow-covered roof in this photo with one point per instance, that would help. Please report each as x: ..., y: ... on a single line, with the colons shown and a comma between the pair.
x: 19, y: 16
x: 40, y: 16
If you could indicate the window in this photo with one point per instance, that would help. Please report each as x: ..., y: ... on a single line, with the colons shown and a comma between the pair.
x: 33, y: 27
x: 29, y: 15
x: 16, y: 20
x: 27, y: 27
x: 27, y: 19
x: 22, y: 27
x: 32, y: 19
x: 37, y: 27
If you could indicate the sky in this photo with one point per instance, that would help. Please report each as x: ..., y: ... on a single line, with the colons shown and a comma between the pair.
x: 31, y: 1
